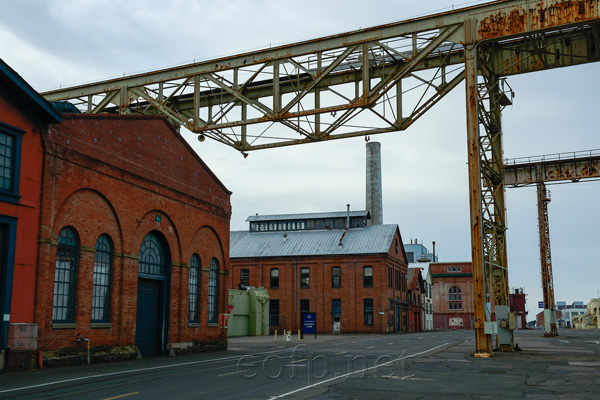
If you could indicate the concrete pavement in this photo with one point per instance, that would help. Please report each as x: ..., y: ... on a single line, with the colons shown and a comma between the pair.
x: 564, y: 367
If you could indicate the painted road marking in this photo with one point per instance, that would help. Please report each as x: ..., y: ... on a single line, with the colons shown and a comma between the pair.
x: 370, y: 347
x: 341, y: 352
x: 390, y: 343
x: 584, y: 363
x: 123, y: 395
x: 128, y: 371
x: 356, y: 372
x: 234, y: 372
x: 304, y: 359
x: 412, y: 378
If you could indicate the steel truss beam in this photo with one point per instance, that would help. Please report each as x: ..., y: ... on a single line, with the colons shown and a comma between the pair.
x: 371, y: 81
x: 573, y: 167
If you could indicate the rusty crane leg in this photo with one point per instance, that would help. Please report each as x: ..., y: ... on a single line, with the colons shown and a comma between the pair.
x: 482, y: 340
x: 543, y: 198
x: 485, y: 100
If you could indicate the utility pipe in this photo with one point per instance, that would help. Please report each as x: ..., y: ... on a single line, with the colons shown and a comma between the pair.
x: 87, y: 341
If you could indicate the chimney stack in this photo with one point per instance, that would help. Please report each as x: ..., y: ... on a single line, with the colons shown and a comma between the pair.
x: 348, y: 216
x: 374, y: 200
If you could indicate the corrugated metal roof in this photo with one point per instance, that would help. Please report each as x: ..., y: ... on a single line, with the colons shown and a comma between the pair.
x: 375, y: 239
x: 424, y: 267
x: 286, y: 217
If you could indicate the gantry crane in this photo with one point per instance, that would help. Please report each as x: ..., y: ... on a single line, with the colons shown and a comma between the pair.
x: 377, y: 80
x: 538, y: 170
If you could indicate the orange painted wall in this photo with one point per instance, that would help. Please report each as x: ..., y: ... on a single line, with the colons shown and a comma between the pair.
x: 27, y: 211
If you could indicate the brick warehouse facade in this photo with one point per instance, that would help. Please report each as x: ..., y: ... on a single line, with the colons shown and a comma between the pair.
x: 452, y: 295
x: 134, y: 235
x: 356, y: 276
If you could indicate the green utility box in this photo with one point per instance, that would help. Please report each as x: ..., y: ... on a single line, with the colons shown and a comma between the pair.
x: 250, y: 313
x: 258, y: 322
x: 237, y: 324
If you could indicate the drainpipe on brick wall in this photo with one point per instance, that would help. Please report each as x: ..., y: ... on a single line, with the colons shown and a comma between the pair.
x: 295, y: 313
x: 380, y: 291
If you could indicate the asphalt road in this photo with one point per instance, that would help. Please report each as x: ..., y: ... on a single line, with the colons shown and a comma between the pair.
x: 251, y: 368
x: 426, y: 365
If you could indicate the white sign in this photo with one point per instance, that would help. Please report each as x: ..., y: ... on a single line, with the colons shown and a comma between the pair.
x: 6, y: 317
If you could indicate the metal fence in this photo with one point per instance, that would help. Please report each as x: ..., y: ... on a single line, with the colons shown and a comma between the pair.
x: 573, y: 155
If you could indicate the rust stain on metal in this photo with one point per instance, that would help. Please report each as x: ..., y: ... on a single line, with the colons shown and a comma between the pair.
x: 541, y: 16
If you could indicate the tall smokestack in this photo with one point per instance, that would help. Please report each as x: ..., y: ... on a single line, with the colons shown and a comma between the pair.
x: 373, y: 196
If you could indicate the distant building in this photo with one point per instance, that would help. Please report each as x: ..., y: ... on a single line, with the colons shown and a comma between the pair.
x: 569, y: 311
x: 419, y: 256
x: 427, y: 298
x: 352, y: 275
x: 517, y: 306
x: 417, y: 253
x: 452, y: 295
x: 416, y: 292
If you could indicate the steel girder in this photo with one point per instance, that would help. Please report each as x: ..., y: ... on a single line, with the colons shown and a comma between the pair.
x: 316, y: 96
x: 569, y: 167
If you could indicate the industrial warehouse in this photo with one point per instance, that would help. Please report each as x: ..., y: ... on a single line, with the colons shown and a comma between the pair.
x: 353, y: 276
x: 131, y: 249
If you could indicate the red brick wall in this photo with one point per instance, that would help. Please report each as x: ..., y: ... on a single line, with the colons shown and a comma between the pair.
x: 443, y: 320
x: 445, y: 276
x: 320, y: 293
x: 517, y: 306
x: 114, y: 175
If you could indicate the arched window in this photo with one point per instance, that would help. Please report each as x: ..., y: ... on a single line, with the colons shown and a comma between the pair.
x: 194, y: 290
x: 152, y: 258
x: 455, y: 298
x: 213, y: 291
x: 65, y: 276
x: 102, y: 273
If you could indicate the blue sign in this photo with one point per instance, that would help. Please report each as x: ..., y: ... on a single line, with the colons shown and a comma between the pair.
x: 540, y: 304
x: 309, y: 323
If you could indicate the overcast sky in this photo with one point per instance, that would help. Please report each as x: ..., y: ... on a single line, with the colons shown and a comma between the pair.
x: 62, y: 43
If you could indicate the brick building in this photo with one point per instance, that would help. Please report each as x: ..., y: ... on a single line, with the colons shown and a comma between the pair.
x: 133, y: 243
x: 415, y: 297
x: 24, y: 115
x: 517, y: 306
x: 312, y: 263
x: 452, y: 295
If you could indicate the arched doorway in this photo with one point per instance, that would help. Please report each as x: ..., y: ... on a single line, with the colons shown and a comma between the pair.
x: 151, y: 334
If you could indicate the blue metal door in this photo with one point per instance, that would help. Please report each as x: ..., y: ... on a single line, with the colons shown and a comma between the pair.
x: 148, y: 330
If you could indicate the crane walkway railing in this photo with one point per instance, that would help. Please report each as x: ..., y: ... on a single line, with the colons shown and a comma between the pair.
x: 572, y: 166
